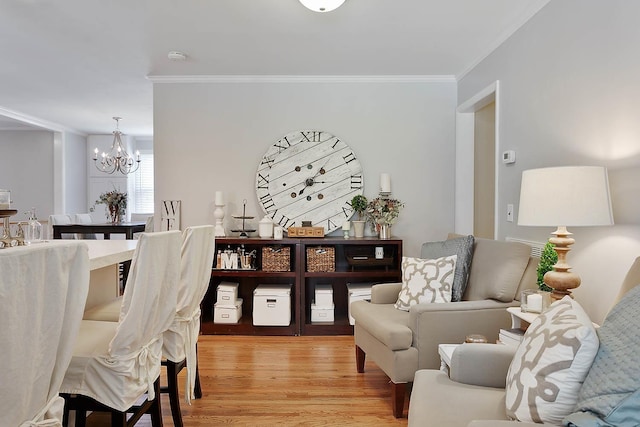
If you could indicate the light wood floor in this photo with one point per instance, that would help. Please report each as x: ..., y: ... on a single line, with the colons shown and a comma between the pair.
x: 284, y: 381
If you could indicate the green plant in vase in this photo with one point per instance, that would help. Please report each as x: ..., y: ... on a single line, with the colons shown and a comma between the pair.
x: 547, y: 260
x: 359, y: 204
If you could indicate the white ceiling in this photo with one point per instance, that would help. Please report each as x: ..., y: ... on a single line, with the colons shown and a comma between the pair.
x: 75, y: 64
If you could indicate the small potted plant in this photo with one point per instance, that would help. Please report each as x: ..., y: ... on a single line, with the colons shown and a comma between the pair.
x: 547, y: 260
x: 359, y: 204
x: 383, y: 213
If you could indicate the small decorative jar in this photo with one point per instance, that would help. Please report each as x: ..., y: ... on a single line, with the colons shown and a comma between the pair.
x: 265, y: 228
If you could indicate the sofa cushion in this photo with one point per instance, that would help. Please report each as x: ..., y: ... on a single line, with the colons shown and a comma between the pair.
x: 383, y: 321
x: 550, y: 364
x: 426, y: 281
x: 462, y: 247
x: 611, y: 391
x: 496, y: 270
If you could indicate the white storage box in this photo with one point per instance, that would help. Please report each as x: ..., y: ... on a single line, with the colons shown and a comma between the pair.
x: 272, y: 305
x: 321, y: 314
x: 227, y: 293
x: 324, y: 296
x: 226, y: 313
x: 357, y: 292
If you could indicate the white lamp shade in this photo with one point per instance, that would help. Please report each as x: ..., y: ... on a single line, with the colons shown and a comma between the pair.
x: 322, y: 5
x: 565, y: 196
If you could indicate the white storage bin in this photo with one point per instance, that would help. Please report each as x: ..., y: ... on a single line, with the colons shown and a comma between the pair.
x: 358, y: 292
x: 322, y: 314
x: 226, y: 313
x: 227, y: 293
x: 324, y: 295
x: 272, y: 305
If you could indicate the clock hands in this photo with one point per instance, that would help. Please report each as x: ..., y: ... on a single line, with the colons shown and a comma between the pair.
x: 310, y: 181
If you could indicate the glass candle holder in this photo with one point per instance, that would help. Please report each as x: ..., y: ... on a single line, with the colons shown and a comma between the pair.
x: 534, y: 301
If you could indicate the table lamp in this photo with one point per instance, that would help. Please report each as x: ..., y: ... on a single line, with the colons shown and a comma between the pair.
x: 564, y: 196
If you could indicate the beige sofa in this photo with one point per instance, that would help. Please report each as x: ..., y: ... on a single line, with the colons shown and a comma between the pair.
x: 401, y: 342
x: 475, y: 397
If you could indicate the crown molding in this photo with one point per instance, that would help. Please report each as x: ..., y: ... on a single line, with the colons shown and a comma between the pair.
x: 302, y: 79
x: 36, y: 122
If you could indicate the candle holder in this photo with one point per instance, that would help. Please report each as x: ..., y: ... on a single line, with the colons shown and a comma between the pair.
x: 218, y: 214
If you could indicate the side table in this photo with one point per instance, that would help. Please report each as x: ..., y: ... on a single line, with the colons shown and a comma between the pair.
x: 446, y: 352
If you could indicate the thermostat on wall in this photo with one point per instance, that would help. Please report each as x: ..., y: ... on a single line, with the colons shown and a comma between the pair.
x: 509, y: 157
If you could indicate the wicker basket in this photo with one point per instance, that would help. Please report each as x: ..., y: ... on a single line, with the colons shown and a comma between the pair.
x: 322, y: 258
x: 276, y: 258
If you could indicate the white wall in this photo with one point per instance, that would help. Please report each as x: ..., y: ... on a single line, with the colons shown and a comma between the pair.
x: 26, y: 168
x: 569, y: 96
x: 75, y: 177
x: 211, y: 136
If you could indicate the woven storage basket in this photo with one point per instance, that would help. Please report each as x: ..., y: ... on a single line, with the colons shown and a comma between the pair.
x: 321, y: 259
x: 276, y: 258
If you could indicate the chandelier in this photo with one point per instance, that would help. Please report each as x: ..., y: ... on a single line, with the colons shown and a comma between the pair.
x: 322, y: 5
x: 118, y: 159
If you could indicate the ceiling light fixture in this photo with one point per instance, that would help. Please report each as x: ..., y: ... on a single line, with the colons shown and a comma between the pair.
x: 176, y: 56
x: 322, y: 5
x: 117, y: 160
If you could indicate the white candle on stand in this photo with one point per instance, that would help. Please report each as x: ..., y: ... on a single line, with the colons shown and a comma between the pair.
x: 385, y: 183
x: 219, y: 199
x: 534, y: 303
x: 346, y: 226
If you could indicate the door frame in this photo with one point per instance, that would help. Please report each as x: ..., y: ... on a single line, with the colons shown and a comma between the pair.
x: 465, y: 124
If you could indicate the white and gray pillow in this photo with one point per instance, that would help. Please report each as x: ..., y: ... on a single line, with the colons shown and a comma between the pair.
x: 426, y: 281
x: 550, y: 364
x: 463, y: 248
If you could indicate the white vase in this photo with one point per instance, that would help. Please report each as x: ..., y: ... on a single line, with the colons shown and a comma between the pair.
x: 358, y: 228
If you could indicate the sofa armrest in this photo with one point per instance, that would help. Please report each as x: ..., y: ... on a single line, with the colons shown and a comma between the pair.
x: 451, y: 323
x: 482, y: 364
x: 385, y: 293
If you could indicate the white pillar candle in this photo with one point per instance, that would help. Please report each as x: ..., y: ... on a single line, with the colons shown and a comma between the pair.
x: 385, y: 183
x: 219, y: 198
x: 346, y: 226
x: 534, y: 303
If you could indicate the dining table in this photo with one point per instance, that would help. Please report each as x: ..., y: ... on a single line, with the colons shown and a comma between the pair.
x: 106, y: 229
x: 104, y: 259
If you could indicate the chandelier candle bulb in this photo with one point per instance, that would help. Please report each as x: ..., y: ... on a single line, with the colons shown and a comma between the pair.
x: 385, y: 183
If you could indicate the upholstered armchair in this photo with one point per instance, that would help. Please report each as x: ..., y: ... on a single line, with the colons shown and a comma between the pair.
x: 544, y: 380
x: 402, y: 342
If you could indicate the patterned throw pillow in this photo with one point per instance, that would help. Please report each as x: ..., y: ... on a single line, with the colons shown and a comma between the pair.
x: 426, y: 281
x: 462, y: 246
x: 550, y: 364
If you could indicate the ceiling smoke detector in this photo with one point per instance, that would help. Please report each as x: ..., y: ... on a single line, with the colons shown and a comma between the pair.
x: 176, y: 56
x: 322, y: 5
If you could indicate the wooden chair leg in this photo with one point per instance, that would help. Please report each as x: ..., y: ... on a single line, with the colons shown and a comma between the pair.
x: 360, y: 357
x: 118, y: 419
x: 156, y: 409
x: 174, y: 395
x: 397, y: 398
x: 197, y: 387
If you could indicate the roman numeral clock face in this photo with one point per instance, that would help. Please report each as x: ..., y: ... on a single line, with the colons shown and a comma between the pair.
x: 309, y: 176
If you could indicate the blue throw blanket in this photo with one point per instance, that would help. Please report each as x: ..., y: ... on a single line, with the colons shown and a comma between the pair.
x: 610, y: 395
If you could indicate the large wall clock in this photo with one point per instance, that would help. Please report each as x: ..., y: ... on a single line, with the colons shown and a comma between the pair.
x: 309, y: 175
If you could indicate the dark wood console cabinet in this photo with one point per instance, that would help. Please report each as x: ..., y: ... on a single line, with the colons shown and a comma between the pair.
x: 355, y: 262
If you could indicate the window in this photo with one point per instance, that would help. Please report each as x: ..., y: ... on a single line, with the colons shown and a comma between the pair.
x: 143, y: 186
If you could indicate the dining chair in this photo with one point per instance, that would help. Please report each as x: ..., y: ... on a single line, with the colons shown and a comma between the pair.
x: 115, y: 364
x: 60, y: 219
x: 180, y: 340
x: 84, y: 218
x: 43, y: 290
x: 179, y: 348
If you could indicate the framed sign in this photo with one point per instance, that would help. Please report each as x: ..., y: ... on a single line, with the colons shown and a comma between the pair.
x: 170, y: 216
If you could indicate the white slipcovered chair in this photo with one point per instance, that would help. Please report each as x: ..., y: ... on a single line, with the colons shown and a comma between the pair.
x: 114, y: 364
x: 61, y: 219
x: 52, y: 280
x: 84, y: 218
x: 180, y: 340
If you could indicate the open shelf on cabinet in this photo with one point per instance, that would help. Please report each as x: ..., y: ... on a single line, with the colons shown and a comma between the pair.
x: 378, y: 270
